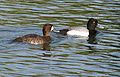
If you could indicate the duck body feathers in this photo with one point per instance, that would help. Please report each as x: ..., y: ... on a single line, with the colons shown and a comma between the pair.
x: 78, y: 31
x: 33, y: 39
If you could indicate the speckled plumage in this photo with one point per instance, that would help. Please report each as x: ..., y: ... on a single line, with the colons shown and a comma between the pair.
x: 37, y: 39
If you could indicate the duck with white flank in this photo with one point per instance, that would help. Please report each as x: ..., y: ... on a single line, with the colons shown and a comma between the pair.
x: 82, y: 31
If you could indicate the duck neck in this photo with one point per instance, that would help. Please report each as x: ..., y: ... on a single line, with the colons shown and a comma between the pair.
x: 47, y: 35
x: 92, y: 33
x: 64, y: 31
x: 47, y: 38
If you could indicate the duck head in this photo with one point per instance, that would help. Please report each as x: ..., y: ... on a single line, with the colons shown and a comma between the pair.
x: 47, y: 28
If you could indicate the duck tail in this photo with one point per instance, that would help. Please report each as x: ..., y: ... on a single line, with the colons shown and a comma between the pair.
x: 19, y: 39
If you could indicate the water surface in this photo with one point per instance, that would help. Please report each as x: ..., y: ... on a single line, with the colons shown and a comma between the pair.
x: 65, y: 56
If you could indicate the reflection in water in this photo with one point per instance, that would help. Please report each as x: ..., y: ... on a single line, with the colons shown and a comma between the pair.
x: 46, y: 46
x: 92, y: 39
x: 47, y: 54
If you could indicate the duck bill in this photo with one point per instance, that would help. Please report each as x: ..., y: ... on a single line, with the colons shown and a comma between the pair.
x: 100, y: 26
x: 56, y: 30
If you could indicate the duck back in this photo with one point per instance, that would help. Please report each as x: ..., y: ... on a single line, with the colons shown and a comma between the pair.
x: 33, y: 39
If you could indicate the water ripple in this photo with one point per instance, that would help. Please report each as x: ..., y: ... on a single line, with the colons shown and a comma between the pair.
x: 65, y: 56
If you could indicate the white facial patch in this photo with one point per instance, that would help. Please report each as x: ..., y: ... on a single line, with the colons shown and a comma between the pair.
x: 52, y: 28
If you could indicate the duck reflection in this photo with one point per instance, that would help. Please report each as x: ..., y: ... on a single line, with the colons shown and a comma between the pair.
x: 46, y: 46
x: 92, y: 39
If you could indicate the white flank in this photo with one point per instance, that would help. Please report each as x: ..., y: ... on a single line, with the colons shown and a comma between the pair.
x: 78, y: 33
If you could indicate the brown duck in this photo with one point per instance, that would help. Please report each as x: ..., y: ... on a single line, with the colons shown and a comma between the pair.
x: 37, y: 39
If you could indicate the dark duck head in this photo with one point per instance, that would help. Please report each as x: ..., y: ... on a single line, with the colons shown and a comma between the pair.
x: 91, y: 26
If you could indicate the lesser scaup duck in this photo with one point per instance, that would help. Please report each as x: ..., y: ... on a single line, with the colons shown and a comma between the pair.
x: 37, y: 39
x: 82, y: 31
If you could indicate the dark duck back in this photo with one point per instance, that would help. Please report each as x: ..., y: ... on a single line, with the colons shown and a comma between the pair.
x: 37, y: 39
